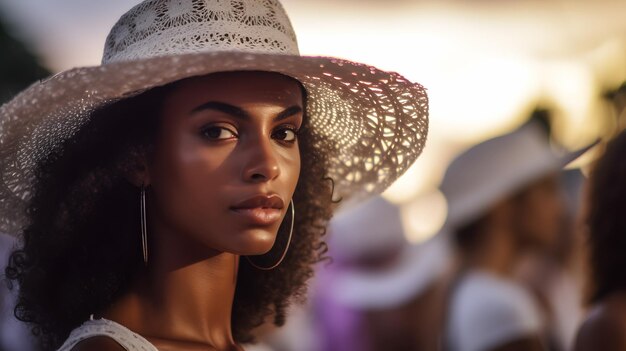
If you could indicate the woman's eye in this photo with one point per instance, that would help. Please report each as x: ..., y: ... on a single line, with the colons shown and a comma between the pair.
x: 218, y: 133
x: 285, y: 134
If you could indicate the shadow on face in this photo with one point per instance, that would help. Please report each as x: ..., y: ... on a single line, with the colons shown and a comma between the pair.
x: 225, y: 164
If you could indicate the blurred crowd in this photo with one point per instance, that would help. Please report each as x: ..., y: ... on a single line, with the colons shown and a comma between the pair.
x: 524, y: 256
x: 530, y: 258
x: 527, y: 253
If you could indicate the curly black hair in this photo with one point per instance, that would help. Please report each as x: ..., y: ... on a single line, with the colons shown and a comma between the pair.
x: 606, y: 221
x: 81, y: 250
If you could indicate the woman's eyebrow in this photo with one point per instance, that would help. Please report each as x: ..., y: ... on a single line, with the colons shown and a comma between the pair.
x: 288, y: 112
x: 240, y: 113
x: 222, y: 107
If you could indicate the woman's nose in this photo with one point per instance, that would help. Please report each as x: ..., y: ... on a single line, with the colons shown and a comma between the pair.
x: 261, y: 163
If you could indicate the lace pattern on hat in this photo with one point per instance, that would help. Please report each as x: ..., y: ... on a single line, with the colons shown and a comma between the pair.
x: 371, y: 125
x: 161, y: 27
x: 103, y: 327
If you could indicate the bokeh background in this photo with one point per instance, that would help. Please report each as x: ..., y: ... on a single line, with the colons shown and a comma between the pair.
x: 487, y: 65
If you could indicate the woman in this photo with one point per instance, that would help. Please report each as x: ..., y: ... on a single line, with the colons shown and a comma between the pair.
x: 605, y: 327
x: 504, y: 204
x: 203, y: 137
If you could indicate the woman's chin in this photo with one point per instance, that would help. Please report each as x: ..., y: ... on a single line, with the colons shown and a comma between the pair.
x: 257, y: 242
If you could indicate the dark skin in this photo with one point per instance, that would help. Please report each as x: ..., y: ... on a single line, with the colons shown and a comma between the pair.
x: 604, y: 327
x: 516, y: 225
x: 224, y: 139
x: 411, y: 326
x: 528, y: 222
x: 604, y: 226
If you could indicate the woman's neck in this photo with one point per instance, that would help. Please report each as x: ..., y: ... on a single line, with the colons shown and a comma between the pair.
x: 184, y: 300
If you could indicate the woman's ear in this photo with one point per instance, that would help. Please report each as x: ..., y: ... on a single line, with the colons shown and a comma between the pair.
x: 137, y: 171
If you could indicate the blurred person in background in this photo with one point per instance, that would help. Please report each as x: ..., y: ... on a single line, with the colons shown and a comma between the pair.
x: 555, y: 276
x: 379, y: 292
x: 605, y: 215
x: 504, y: 201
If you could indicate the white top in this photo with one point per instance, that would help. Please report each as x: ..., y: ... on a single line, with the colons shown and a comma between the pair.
x: 128, y: 339
x: 487, y: 311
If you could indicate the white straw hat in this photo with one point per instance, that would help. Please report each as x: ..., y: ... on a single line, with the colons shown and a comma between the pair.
x: 371, y: 124
x: 375, y: 228
x: 496, y: 168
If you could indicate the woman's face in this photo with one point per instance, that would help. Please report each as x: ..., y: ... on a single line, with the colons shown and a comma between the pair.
x: 540, y: 213
x: 226, y: 160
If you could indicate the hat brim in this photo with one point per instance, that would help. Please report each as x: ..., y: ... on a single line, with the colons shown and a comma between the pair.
x: 473, y: 206
x: 372, y: 124
x: 570, y: 157
x: 414, y: 271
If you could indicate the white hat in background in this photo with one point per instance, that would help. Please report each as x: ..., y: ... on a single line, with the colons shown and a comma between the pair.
x: 373, y: 229
x: 496, y: 168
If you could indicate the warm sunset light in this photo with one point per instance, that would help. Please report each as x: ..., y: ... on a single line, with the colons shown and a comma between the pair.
x: 486, y: 65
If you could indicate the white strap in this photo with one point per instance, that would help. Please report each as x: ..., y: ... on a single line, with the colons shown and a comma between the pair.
x: 103, y: 327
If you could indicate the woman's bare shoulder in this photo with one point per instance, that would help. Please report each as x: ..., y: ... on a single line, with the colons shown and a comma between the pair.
x: 98, y: 343
x: 605, y: 326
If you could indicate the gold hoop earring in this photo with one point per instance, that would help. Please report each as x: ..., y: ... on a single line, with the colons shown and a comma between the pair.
x: 284, y: 253
x: 144, y: 229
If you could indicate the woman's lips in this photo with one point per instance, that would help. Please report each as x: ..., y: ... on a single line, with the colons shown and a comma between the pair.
x: 259, y: 215
x: 260, y: 209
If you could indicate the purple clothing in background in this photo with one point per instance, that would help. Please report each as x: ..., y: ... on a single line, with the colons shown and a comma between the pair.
x: 337, y: 327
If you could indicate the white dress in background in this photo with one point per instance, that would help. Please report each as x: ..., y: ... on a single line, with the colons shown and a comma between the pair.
x: 487, y: 311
